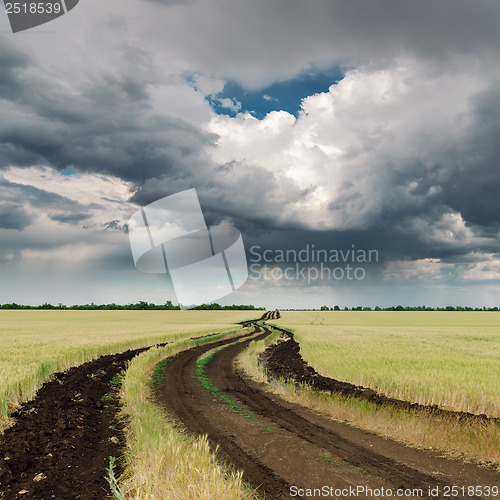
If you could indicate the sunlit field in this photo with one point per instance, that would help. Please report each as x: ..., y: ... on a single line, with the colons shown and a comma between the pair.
x: 36, y: 344
x: 451, y: 359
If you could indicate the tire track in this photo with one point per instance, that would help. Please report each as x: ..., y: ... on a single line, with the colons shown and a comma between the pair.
x: 299, y: 448
x: 182, y: 395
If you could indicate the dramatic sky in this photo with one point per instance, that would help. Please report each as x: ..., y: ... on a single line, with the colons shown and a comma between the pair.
x: 343, y: 124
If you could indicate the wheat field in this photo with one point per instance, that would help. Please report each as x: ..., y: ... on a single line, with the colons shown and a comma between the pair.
x: 451, y: 359
x: 37, y: 343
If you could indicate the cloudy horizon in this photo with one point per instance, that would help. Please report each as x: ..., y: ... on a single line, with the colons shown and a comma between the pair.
x: 339, y: 124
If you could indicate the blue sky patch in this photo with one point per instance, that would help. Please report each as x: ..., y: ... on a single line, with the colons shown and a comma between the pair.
x: 285, y: 95
x: 68, y: 171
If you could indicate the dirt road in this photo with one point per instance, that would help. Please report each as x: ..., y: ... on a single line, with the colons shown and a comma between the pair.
x: 287, y: 451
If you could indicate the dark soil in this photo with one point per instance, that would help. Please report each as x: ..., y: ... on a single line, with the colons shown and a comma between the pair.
x: 278, y: 444
x: 283, y: 360
x: 271, y: 315
x: 61, y: 442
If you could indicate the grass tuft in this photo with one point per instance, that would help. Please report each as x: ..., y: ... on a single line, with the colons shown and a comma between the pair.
x: 216, y: 393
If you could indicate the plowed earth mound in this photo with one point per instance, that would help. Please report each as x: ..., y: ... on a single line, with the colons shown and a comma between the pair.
x: 283, y: 360
x: 61, y: 442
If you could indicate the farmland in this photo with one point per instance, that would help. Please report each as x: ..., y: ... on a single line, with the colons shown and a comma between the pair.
x: 35, y: 344
x: 137, y: 406
x: 448, y: 359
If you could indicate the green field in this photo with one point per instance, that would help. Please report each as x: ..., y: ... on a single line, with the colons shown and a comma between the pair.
x: 36, y: 344
x: 451, y: 359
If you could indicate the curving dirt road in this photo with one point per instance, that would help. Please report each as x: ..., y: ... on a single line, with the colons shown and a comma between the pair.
x: 286, y: 451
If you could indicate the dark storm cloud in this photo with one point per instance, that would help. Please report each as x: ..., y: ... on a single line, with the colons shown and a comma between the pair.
x: 260, y: 42
x: 110, y: 123
x: 39, y: 198
x: 429, y: 28
x: 103, y: 139
x: 69, y: 218
x: 392, y: 243
x: 12, y: 62
x: 59, y: 208
x: 14, y: 216
x: 394, y: 234
x: 256, y: 200
x: 465, y: 179
x: 115, y: 225
x: 473, y: 184
x: 248, y: 194
x: 107, y: 126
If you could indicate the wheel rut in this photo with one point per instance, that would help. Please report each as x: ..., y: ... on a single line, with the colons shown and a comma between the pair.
x: 285, y: 450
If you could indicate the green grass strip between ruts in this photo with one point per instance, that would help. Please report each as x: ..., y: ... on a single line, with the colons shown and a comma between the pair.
x: 207, y: 384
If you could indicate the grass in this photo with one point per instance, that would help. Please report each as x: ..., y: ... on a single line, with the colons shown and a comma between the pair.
x: 162, y: 461
x: 118, y: 493
x: 451, y: 359
x: 469, y: 441
x: 216, y: 393
x: 156, y: 380
x: 117, y: 379
x: 248, y: 360
x: 36, y: 344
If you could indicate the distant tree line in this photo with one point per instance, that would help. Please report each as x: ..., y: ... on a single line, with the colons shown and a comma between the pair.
x: 217, y: 307
x: 149, y: 306
x: 410, y: 308
x: 143, y: 306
